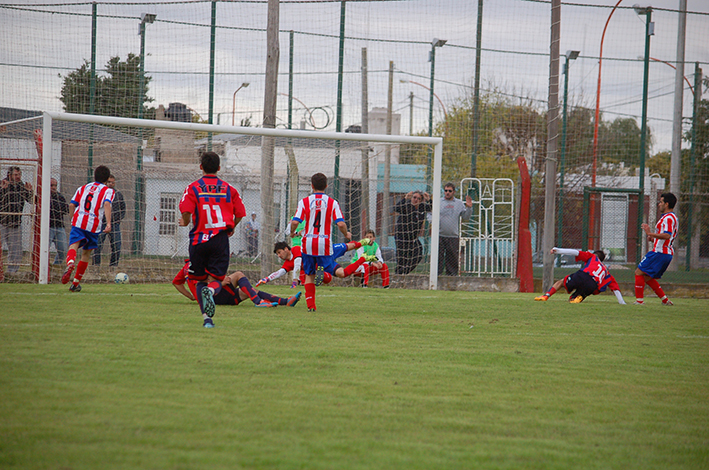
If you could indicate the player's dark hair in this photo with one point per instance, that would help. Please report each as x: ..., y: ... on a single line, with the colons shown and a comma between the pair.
x: 670, y: 199
x: 319, y: 182
x: 449, y: 185
x: 11, y: 170
x: 369, y: 230
x: 101, y: 174
x: 280, y: 246
x: 210, y: 162
x: 600, y: 254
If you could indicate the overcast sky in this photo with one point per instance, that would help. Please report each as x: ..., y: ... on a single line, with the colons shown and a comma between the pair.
x: 38, y: 46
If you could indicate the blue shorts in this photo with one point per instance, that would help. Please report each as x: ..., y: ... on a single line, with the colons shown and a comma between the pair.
x: 581, y: 283
x: 655, y: 264
x: 87, y: 240
x: 310, y: 264
x: 338, y: 249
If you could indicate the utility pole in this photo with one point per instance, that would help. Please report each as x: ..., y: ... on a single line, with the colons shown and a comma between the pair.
x: 365, y: 210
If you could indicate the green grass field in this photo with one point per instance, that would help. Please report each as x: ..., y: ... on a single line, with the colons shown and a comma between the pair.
x: 125, y: 377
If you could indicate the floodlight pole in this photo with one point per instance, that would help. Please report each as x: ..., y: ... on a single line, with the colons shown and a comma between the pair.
x: 233, y: 102
x: 432, y: 58
x: 649, y: 31
x: 145, y: 18
x: 570, y: 55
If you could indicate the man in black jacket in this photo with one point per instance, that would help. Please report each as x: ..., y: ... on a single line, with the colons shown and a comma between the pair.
x: 118, y: 212
x: 409, y: 227
x: 57, y: 233
x: 13, y: 195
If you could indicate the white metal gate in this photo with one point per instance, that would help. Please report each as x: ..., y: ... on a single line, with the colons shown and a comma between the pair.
x: 487, y: 240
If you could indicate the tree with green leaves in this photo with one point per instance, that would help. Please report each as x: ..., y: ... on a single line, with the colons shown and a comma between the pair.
x: 117, y: 91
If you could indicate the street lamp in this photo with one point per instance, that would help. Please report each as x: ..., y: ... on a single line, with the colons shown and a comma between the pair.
x: 432, y: 58
x: 649, y: 31
x: 233, y: 101
x: 570, y: 55
x: 145, y: 18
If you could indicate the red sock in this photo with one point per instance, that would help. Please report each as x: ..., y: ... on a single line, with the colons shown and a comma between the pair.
x: 551, y: 292
x: 357, y: 245
x: 80, y: 270
x: 310, y: 294
x: 655, y: 286
x: 216, y: 286
x: 639, y: 287
x: 326, y: 278
x: 70, y: 256
x: 353, y: 266
x: 385, y: 274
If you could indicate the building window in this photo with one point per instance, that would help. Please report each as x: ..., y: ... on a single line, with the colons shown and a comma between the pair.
x: 168, y: 213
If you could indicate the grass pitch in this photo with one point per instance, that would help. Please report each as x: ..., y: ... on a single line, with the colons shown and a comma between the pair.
x: 124, y: 376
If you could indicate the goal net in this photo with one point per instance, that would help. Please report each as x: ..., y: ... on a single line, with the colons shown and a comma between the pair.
x: 153, y: 161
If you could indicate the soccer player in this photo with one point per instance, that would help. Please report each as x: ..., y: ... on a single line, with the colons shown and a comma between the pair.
x: 91, y: 202
x: 320, y: 213
x: 374, y: 261
x: 235, y: 289
x: 292, y: 261
x: 655, y: 262
x: 592, y: 279
x: 215, y: 209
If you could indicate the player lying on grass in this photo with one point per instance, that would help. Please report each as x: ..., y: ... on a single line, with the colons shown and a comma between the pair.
x: 292, y: 260
x: 235, y: 289
x: 592, y: 279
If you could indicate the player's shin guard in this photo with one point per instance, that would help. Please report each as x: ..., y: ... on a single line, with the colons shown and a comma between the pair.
x: 655, y: 286
x: 310, y: 295
x: 550, y: 292
x: 639, y: 288
x: 272, y: 298
x: 246, y: 288
x: 353, y: 267
x: 80, y: 270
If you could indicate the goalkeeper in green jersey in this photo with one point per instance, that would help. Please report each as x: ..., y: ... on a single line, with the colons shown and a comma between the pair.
x: 374, y: 261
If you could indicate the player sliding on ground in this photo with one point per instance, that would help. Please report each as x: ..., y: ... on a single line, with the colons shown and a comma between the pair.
x: 235, y: 289
x: 292, y: 261
x: 655, y: 262
x: 87, y: 208
x: 592, y: 279
x: 215, y: 209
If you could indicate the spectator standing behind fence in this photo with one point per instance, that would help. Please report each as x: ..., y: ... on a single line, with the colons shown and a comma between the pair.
x: 252, y: 227
x: 118, y: 211
x: 411, y: 211
x: 57, y: 233
x: 452, y: 210
x: 13, y: 195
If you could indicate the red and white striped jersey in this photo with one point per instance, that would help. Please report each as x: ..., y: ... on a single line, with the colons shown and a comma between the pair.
x: 321, y: 214
x: 667, y: 224
x: 89, y: 200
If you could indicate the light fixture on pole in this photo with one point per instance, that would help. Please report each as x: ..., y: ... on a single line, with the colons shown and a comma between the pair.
x: 570, y: 55
x: 233, y: 101
x: 432, y: 58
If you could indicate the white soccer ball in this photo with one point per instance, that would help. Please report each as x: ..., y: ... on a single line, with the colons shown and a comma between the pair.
x: 122, y: 278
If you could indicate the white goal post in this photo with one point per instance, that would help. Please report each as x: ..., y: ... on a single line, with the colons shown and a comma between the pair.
x: 210, y: 129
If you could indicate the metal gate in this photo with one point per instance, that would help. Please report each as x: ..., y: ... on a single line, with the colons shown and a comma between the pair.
x: 487, y: 240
